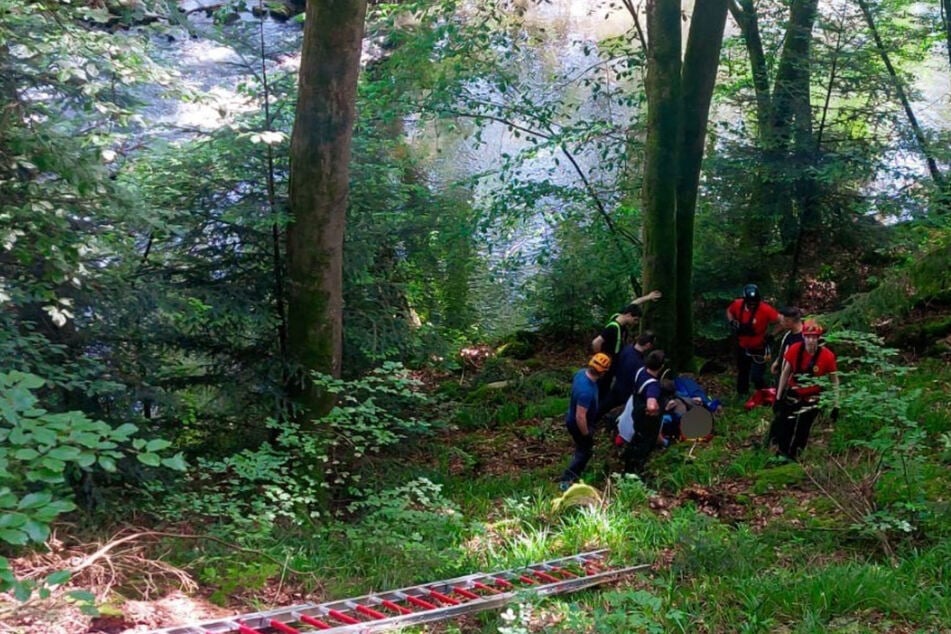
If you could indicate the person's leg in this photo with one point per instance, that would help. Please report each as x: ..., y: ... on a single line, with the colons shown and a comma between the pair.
x: 584, y: 449
x: 646, y: 429
x: 801, y: 433
x: 758, y: 369
x: 783, y: 426
x: 742, y: 372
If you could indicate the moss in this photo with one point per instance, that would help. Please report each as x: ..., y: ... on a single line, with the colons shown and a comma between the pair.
x: 778, y: 477
x: 549, y: 407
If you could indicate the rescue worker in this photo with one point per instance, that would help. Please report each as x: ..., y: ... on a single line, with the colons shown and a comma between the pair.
x: 646, y: 409
x: 791, y: 321
x: 797, y: 401
x: 624, y: 367
x: 614, y: 335
x: 582, y: 413
x: 750, y: 318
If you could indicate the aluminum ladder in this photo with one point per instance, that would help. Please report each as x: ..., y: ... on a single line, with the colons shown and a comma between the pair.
x: 425, y: 603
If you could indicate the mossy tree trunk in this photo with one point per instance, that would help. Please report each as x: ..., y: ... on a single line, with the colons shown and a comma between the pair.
x: 662, y: 150
x: 678, y: 106
x: 320, y: 171
x: 701, y: 61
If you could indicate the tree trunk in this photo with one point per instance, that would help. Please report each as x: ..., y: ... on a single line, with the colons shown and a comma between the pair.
x: 923, y: 146
x: 319, y: 185
x: 664, y: 137
x: 946, y: 22
x: 701, y: 61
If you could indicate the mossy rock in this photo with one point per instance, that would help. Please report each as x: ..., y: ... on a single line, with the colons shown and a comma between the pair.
x: 778, y: 477
x: 516, y: 350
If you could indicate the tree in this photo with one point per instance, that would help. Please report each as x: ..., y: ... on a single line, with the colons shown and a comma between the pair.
x: 678, y: 105
x: 320, y: 157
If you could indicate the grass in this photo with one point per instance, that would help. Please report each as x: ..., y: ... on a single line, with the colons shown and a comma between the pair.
x: 738, y: 542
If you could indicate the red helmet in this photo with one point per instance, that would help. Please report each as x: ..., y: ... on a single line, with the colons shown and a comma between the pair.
x: 811, y: 329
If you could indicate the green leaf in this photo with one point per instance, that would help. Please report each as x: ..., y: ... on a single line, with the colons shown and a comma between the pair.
x: 57, y: 578
x: 37, y: 531
x: 124, y: 431
x: 86, y: 460
x: 27, y: 453
x: 176, y: 462
x: 13, y: 536
x: 107, y: 463
x: 149, y: 459
x: 35, y: 500
x: 12, y: 520
x: 65, y: 453
x: 22, y: 591
x: 158, y: 444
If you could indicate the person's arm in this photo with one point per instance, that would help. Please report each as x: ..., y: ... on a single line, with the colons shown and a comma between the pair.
x: 731, y: 319
x: 783, y: 380
x: 597, y: 343
x: 653, y: 296
x: 581, y: 419
x: 653, y: 407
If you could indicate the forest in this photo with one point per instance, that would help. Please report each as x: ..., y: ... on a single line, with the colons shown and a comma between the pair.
x: 295, y: 298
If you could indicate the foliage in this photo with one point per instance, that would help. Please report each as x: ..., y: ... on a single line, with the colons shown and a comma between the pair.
x: 254, y: 492
x: 40, y: 453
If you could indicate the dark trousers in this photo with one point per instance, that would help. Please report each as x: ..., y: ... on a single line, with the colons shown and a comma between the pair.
x: 748, y: 369
x: 604, y: 391
x: 584, y: 449
x: 791, y: 425
x: 636, y: 452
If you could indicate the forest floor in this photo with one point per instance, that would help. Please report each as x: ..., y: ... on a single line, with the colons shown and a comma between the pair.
x: 495, y: 444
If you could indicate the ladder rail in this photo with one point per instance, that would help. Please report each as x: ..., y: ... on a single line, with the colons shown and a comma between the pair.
x: 425, y: 602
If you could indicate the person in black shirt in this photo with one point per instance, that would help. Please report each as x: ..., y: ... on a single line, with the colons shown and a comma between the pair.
x: 614, y: 335
x: 791, y: 320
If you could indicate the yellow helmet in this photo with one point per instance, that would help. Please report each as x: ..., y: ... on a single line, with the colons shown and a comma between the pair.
x: 600, y: 362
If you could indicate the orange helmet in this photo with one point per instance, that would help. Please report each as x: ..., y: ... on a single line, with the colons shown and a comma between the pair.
x: 600, y: 362
x: 811, y: 329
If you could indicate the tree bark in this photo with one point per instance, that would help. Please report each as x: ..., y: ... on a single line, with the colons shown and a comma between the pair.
x: 946, y: 23
x: 936, y: 174
x: 319, y: 186
x: 701, y: 61
x: 664, y: 136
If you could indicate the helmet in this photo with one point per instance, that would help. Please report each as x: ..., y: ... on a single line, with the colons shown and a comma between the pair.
x: 751, y: 293
x: 811, y: 329
x: 600, y: 362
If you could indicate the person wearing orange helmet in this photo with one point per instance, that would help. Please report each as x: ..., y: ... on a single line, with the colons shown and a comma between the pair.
x: 797, y: 397
x: 582, y: 414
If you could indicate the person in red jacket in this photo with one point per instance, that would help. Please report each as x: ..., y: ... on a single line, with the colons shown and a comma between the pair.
x: 797, y: 399
x: 750, y: 318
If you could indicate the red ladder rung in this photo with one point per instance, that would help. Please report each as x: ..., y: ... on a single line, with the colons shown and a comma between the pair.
x: 396, y: 607
x: 544, y: 576
x: 420, y: 603
x: 565, y: 572
x: 502, y: 583
x: 343, y: 618
x: 527, y: 580
x: 309, y: 620
x: 482, y: 586
x: 283, y: 627
x: 462, y: 592
x: 369, y: 612
x: 443, y: 598
x: 244, y: 629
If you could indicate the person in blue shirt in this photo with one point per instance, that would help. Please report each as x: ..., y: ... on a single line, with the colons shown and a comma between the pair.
x: 582, y: 413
